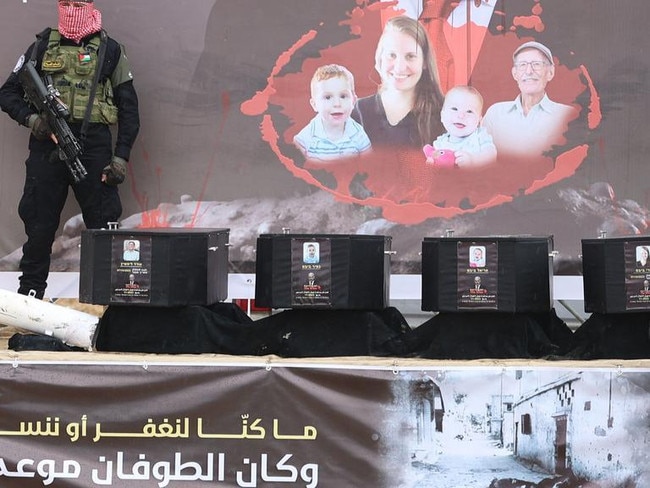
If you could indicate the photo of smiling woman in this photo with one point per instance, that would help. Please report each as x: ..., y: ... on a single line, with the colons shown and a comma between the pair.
x: 405, y: 111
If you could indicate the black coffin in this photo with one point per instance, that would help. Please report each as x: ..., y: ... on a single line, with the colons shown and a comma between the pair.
x: 338, y: 272
x: 500, y: 274
x: 154, y: 267
x: 616, y: 277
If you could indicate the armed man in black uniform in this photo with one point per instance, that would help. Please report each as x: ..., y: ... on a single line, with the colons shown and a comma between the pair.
x: 88, y: 69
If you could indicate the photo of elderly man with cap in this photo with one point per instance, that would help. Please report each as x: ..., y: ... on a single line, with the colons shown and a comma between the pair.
x: 90, y: 71
x: 532, y: 123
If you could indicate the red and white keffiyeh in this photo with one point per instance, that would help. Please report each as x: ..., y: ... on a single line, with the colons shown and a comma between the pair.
x: 77, y: 19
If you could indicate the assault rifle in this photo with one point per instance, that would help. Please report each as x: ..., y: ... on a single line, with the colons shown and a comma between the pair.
x: 46, y: 100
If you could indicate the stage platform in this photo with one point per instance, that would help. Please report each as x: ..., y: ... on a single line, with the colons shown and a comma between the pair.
x: 339, y: 362
x: 98, y: 418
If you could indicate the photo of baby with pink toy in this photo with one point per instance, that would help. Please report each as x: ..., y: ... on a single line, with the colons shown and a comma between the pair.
x: 465, y: 143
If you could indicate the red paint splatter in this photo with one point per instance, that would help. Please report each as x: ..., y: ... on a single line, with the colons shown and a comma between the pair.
x: 595, y: 115
x: 158, y: 218
x: 154, y: 218
x: 259, y: 103
x: 533, y: 21
x: 140, y: 198
x: 529, y: 22
x: 566, y: 164
x: 225, y: 113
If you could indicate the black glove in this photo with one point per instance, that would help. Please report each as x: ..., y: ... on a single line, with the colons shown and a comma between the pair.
x: 39, y: 126
x: 115, y: 172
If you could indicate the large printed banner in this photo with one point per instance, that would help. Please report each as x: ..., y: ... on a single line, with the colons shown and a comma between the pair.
x: 226, y: 102
x: 176, y: 424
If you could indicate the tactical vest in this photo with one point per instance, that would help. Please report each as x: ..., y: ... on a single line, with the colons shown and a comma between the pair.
x: 72, y: 69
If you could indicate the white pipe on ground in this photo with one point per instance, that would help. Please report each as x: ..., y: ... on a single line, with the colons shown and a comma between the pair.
x: 73, y: 327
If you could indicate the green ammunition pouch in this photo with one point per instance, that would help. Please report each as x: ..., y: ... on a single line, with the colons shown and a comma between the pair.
x: 72, y: 69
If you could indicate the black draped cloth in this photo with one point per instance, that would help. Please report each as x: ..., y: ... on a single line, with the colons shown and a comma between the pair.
x: 223, y: 328
x: 479, y: 335
x: 613, y: 336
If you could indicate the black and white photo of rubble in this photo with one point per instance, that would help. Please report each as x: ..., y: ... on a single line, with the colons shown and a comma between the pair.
x: 519, y: 428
